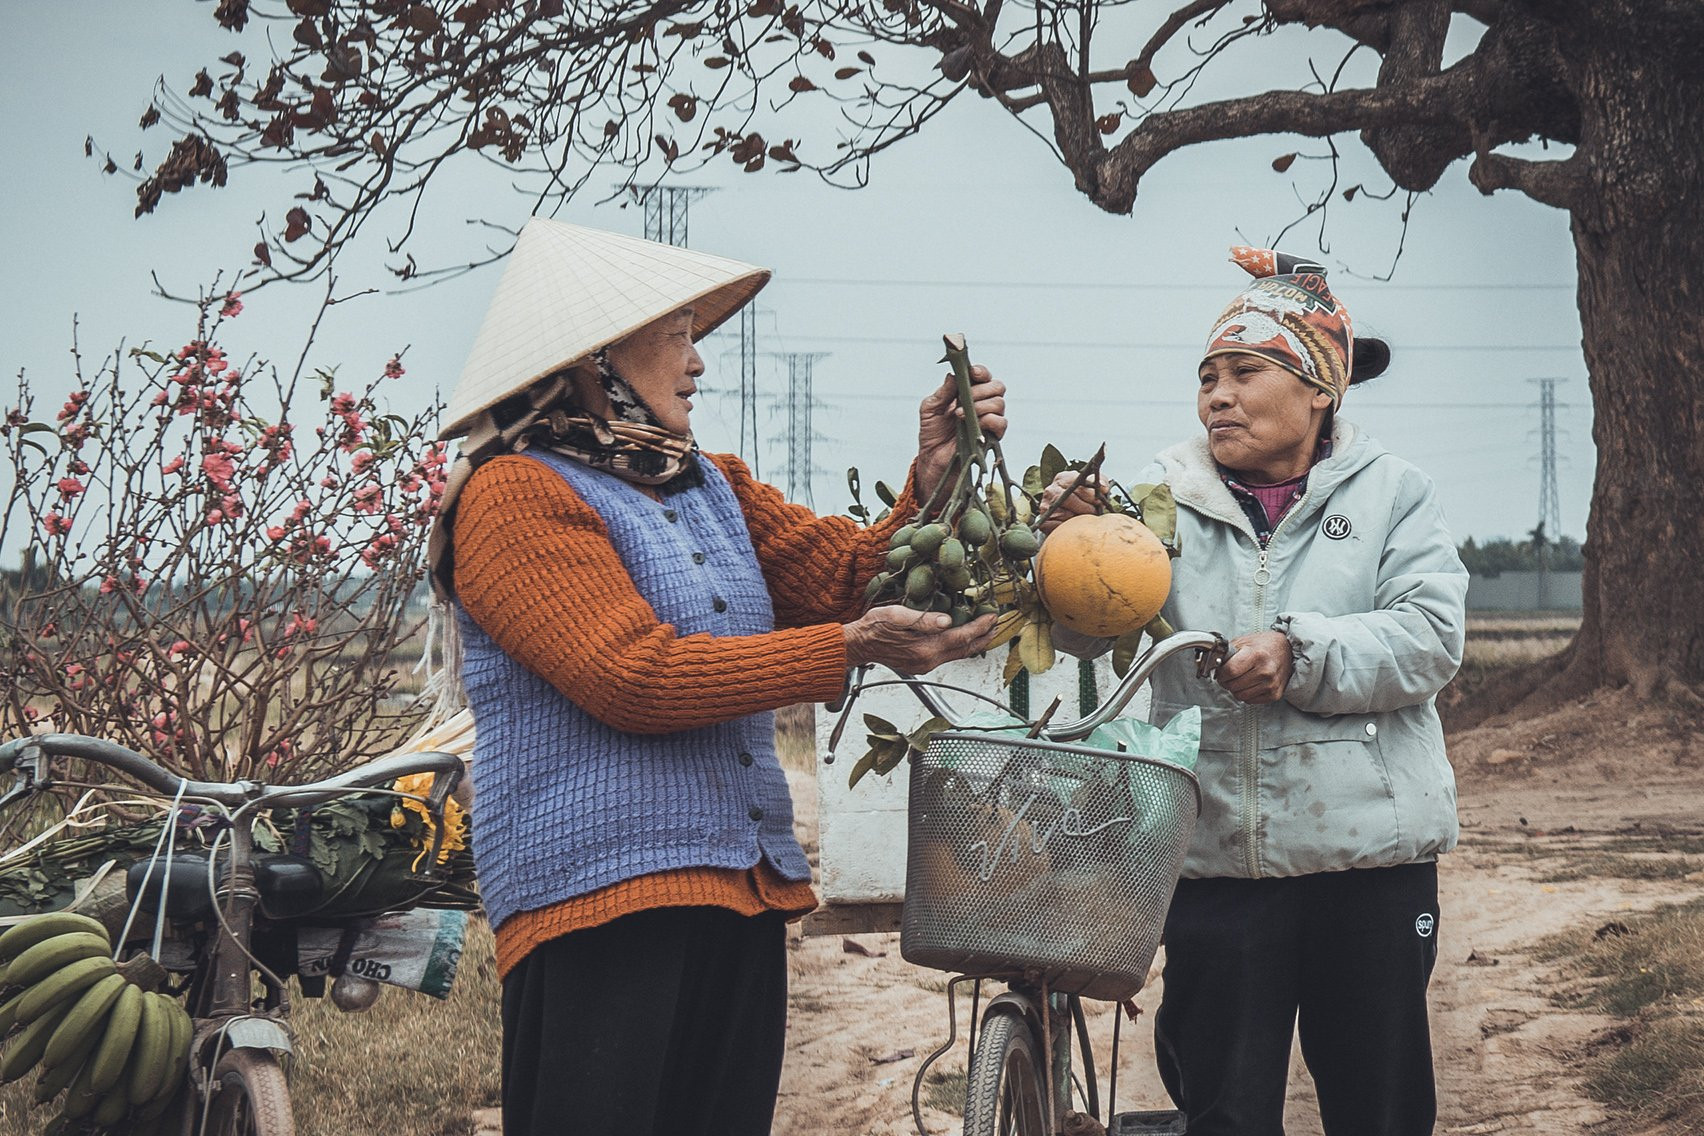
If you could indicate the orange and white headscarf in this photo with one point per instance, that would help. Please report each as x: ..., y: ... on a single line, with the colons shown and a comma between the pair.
x: 1288, y: 315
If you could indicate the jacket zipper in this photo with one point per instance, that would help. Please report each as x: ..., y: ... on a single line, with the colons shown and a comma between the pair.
x: 1251, y: 716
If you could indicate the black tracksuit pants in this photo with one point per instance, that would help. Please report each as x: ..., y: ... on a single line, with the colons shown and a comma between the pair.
x: 1343, y: 959
x: 671, y: 1021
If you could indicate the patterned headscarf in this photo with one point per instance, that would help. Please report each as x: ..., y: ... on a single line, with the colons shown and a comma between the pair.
x: 1288, y: 315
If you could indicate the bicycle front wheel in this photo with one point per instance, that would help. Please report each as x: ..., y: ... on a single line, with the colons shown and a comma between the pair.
x: 250, y: 1096
x: 1004, y: 1092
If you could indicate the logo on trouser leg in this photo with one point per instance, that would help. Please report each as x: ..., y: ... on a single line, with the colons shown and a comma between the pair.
x: 1423, y: 925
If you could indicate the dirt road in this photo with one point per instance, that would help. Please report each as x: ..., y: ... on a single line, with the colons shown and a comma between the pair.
x: 1548, y: 798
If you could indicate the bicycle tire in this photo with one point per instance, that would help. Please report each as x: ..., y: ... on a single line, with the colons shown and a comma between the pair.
x: 251, y: 1098
x: 1003, y: 1093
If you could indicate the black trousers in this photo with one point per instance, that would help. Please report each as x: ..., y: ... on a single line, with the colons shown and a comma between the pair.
x: 666, y: 1021
x: 1340, y: 958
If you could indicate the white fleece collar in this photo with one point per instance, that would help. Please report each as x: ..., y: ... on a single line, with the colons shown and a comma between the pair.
x: 1194, y: 476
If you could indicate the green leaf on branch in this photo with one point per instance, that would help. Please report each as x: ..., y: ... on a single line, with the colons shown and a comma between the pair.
x: 881, y: 728
x: 862, y: 766
x: 886, y: 493
x: 1159, y: 513
x: 1033, y: 483
x: 919, y: 738
x: 1053, y: 463
x: 884, y: 755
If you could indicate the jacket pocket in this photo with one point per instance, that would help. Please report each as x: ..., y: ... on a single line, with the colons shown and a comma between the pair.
x: 1326, y: 796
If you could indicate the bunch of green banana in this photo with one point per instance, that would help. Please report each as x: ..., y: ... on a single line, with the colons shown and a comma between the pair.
x: 116, y: 1050
x: 972, y: 535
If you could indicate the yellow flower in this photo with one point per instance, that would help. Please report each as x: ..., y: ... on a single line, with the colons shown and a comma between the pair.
x: 455, y: 817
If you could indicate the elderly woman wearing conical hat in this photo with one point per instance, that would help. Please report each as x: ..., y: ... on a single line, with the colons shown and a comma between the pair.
x: 631, y: 611
x: 1310, y: 897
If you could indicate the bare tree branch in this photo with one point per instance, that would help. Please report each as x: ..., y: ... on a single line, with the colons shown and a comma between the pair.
x: 1274, y: 112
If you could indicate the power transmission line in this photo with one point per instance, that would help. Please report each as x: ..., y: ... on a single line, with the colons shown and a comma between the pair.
x: 1134, y: 345
x: 667, y: 216
x: 1137, y: 286
x: 1549, y: 502
x: 666, y: 210
x: 748, y: 388
x: 1549, y: 529
x: 800, y: 430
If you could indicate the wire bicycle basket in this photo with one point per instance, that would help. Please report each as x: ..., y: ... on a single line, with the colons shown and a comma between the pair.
x: 1044, y: 861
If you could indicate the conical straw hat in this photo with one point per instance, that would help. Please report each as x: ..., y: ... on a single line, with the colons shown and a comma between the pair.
x: 568, y: 291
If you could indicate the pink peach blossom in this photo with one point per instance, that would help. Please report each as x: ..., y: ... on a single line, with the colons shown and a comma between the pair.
x: 219, y: 470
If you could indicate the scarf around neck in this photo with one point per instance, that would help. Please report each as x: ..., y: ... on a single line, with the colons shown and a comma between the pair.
x: 633, y: 445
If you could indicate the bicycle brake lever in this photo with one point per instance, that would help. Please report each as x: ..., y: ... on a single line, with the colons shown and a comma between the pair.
x: 28, y: 774
x: 1208, y: 660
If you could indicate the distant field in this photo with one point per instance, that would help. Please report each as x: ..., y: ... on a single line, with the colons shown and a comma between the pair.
x: 1502, y: 639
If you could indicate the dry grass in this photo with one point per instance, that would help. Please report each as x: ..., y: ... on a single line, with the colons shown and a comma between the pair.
x: 1505, y: 639
x: 944, y: 1089
x: 410, y: 1066
x: 1650, y: 971
x: 1608, y: 864
x: 1489, y: 653
x: 17, y: 1114
x: 1499, y: 640
x: 795, y: 736
x: 1523, y: 623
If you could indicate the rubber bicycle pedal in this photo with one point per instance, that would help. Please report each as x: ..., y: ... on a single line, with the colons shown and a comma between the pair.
x: 1167, y: 1122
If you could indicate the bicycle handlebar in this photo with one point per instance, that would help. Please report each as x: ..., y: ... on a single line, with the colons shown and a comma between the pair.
x: 446, y: 768
x: 1212, y: 652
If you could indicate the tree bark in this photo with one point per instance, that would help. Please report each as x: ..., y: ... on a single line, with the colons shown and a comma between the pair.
x: 1639, y: 242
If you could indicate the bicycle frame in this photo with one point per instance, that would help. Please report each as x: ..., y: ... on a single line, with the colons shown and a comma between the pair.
x: 1048, y: 1017
x: 221, y: 987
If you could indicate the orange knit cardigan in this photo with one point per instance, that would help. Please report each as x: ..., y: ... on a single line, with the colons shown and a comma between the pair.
x: 535, y: 569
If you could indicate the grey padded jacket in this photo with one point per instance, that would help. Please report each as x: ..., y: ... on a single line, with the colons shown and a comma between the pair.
x: 1348, y: 769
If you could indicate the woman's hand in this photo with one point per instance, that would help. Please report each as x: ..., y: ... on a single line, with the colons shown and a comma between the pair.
x: 937, y: 426
x: 1085, y: 499
x: 913, y: 642
x: 1259, y: 669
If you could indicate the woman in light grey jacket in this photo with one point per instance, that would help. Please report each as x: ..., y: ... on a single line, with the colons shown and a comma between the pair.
x: 1310, y: 893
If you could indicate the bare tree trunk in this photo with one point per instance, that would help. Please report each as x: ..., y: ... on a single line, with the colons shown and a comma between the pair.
x: 1639, y: 241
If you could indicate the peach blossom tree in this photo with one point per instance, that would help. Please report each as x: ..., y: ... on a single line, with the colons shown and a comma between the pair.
x: 221, y: 566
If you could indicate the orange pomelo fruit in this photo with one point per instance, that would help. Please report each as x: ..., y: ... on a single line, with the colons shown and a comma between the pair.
x: 1103, y: 575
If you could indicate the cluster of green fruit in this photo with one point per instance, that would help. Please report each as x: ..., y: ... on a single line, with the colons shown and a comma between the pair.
x: 948, y: 566
x: 971, y: 541
x: 117, y: 1051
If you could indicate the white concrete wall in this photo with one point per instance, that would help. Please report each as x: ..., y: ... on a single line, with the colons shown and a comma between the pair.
x: 862, y: 830
x: 1522, y: 591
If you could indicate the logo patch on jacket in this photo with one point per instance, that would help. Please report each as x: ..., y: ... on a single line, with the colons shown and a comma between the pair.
x: 1336, y: 526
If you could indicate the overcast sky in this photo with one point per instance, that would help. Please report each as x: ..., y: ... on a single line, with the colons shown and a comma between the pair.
x: 1095, y: 322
